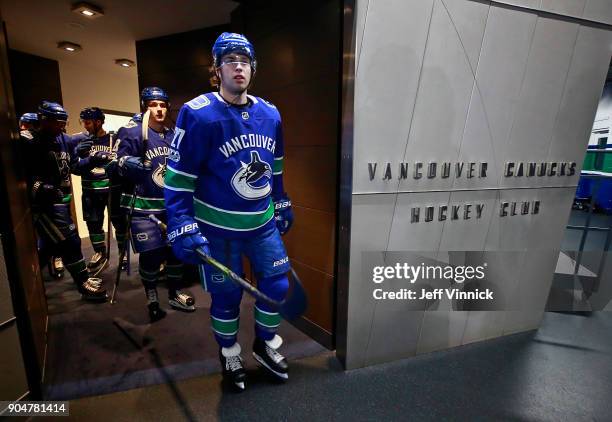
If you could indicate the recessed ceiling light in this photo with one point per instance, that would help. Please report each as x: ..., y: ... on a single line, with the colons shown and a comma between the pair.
x: 69, y: 46
x: 124, y: 62
x: 87, y: 10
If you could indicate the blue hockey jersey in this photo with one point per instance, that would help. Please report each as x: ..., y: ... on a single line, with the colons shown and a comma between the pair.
x: 95, y: 178
x: 225, y: 164
x: 150, y: 193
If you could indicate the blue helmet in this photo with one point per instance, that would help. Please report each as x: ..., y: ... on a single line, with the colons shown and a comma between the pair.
x: 48, y: 110
x: 153, y: 93
x: 92, y: 113
x: 28, y: 118
x: 137, y: 118
x: 230, y: 42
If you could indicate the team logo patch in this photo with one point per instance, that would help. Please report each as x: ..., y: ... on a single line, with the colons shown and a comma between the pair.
x: 158, y: 174
x: 217, y: 278
x: 142, y: 237
x: 252, y: 180
x: 245, y: 115
x: 198, y: 102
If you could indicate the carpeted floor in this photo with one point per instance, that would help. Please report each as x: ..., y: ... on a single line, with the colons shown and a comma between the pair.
x: 562, y: 372
x: 89, y: 355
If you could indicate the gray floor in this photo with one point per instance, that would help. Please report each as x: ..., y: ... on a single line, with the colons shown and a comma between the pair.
x: 563, y: 372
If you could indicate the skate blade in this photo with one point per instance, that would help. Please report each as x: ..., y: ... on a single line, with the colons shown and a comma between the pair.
x: 94, y: 299
x: 263, y: 363
x: 240, y: 385
x: 180, y: 307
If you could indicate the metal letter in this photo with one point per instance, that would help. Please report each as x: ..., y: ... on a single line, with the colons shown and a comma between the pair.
x: 429, y: 213
x: 502, y: 209
x: 417, y: 172
x: 387, y: 175
x: 432, y: 170
x: 372, y: 170
x: 467, y: 208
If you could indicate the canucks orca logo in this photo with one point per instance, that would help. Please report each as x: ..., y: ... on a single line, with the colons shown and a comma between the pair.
x: 159, y: 173
x: 252, y: 180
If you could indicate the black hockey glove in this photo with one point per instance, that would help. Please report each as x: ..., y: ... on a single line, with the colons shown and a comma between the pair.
x: 83, y: 148
x: 100, y: 158
x: 46, y: 194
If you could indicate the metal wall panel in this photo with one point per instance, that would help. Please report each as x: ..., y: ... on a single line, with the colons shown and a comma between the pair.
x: 564, y: 7
x: 386, y: 84
x: 598, y: 10
x: 465, y: 81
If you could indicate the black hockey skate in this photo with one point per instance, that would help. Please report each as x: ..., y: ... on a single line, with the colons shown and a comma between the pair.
x: 92, y: 290
x: 155, y: 312
x: 97, y: 263
x: 233, y: 368
x: 265, y: 353
x: 124, y: 264
x: 182, y: 301
x: 57, y: 267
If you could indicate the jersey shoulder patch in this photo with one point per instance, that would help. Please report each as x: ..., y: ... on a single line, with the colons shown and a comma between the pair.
x: 198, y: 102
x: 268, y: 103
x: 130, y: 124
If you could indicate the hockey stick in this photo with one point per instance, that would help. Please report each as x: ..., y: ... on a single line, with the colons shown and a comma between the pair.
x: 290, y: 308
x: 145, y: 139
x: 109, y: 202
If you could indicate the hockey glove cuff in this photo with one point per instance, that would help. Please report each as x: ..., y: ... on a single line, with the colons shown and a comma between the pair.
x: 185, y: 237
x: 283, y: 215
x: 134, y: 168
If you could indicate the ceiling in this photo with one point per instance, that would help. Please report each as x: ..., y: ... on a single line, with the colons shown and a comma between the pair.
x: 36, y: 26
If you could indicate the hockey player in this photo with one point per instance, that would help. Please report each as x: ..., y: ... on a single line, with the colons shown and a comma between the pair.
x: 224, y: 192
x: 144, y: 164
x: 50, y: 157
x: 27, y: 122
x: 99, y: 187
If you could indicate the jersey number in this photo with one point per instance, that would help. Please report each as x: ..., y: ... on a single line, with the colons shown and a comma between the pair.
x: 178, y: 137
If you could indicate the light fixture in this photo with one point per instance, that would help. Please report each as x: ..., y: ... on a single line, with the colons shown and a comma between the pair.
x: 124, y: 62
x: 87, y: 10
x: 69, y: 46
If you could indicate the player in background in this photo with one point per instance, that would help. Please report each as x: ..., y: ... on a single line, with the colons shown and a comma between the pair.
x: 224, y: 193
x: 50, y: 158
x: 143, y: 163
x: 99, y: 186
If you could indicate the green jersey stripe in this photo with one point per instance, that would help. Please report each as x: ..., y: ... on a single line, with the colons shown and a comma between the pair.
x: 277, y: 166
x: 95, y: 184
x: 144, y: 204
x: 177, y: 180
x: 232, y: 220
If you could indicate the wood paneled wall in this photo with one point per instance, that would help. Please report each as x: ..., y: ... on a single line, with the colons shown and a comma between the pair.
x: 34, y: 79
x: 178, y: 64
x: 298, y: 55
